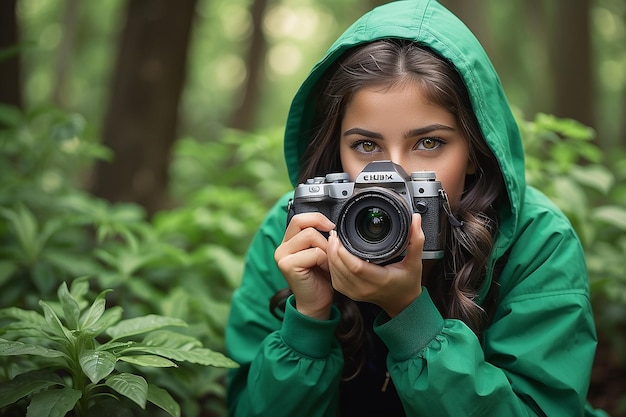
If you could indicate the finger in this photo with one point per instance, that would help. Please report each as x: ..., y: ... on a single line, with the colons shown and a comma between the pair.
x: 344, y: 262
x: 303, y: 221
x: 347, y: 270
x: 301, y: 262
x: 416, y: 242
x: 305, y: 239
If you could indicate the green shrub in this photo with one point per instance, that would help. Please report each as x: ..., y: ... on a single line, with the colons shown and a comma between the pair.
x: 183, y: 263
x: 76, y: 368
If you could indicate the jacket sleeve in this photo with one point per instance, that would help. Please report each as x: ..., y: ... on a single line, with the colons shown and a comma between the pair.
x: 287, y: 367
x: 536, y: 356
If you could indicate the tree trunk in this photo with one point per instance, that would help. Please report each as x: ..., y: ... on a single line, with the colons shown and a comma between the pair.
x: 10, y: 86
x: 141, y: 120
x: 243, y: 116
x: 65, y: 52
x: 573, y: 78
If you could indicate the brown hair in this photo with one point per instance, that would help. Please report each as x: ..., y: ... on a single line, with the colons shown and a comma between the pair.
x: 459, y: 276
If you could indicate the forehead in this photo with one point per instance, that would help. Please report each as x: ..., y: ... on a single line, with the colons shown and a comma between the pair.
x: 395, y: 103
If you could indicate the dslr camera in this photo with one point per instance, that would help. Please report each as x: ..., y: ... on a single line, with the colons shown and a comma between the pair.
x: 373, y: 214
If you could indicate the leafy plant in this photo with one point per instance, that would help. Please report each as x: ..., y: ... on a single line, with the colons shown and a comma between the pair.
x: 183, y: 263
x: 45, y: 234
x: 83, y: 355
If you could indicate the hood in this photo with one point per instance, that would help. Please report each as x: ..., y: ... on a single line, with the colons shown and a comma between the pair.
x: 428, y: 23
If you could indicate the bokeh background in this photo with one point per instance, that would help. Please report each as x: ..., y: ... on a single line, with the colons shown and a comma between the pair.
x: 140, y: 145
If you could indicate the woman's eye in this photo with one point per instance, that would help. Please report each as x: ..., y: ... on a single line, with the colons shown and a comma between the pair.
x: 365, y: 146
x: 429, y: 144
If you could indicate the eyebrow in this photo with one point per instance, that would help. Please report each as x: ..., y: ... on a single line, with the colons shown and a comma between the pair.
x: 427, y: 129
x: 362, y: 132
x: 411, y: 133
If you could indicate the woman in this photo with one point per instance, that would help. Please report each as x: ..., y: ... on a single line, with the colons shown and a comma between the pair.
x: 500, y: 326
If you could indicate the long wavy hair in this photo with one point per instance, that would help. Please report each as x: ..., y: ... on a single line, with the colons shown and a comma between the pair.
x: 455, y: 281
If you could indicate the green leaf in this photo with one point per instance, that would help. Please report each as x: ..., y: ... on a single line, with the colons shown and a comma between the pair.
x: 12, y: 348
x: 25, y: 228
x: 200, y: 356
x: 79, y: 288
x: 167, y: 338
x: 131, y: 386
x: 27, y: 317
x: 108, y: 319
x: 95, y: 311
x: 115, y: 346
x: 144, y: 324
x: 53, y: 402
x: 19, y: 330
x: 181, y: 348
x: 567, y: 127
x: 227, y: 263
x: 163, y: 399
x: 97, y: 364
x: 595, y: 177
x: 7, y: 269
x: 71, y: 309
x: 148, y: 360
x: 25, y: 384
x: 570, y: 197
x: 613, y: 215
x: 54, y: 324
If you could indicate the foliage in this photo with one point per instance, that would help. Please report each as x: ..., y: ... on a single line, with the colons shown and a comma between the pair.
x: 227, y: 186
x: 75, y: 369
x: 563, y: 161
x: 42, y: 156
x: 182, y: 263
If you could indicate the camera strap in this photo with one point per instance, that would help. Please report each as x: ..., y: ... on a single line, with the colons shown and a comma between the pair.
x: 454, y: 222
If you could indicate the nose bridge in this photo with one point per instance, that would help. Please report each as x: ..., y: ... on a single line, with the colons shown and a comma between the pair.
x: 399, y: 156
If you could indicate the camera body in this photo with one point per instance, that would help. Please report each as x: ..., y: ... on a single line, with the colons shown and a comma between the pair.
x: 373, y: 214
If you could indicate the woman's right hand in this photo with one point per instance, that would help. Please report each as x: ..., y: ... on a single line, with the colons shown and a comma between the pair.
x: 302, y: 259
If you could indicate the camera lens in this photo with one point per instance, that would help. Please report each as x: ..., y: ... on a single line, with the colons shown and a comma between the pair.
x: 374, y: 224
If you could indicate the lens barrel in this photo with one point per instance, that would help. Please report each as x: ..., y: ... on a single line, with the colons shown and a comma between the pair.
x: 374, y: 224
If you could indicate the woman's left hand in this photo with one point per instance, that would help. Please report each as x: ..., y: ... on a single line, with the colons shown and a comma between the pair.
x: 392, y: 287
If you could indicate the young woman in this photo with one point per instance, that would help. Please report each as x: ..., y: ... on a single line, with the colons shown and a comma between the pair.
x: 500, y: 326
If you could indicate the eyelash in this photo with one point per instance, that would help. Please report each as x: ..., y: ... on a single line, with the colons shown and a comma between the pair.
x: 360, y: 143
x: 439, y: 142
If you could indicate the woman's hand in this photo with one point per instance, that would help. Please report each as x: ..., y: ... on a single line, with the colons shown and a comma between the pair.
x: 302, y: 259
x: 392, y: 287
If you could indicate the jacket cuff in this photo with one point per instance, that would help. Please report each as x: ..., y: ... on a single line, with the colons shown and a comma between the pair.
x: 308, y: 336
x: 412, y: 330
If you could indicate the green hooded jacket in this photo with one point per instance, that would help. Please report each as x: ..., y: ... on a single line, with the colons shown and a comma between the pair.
x: 535, y: 357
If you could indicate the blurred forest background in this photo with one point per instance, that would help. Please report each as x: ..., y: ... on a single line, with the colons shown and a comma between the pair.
x: 140, y: 145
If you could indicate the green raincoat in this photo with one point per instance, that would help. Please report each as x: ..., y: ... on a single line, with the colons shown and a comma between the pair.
x: 535, y: 357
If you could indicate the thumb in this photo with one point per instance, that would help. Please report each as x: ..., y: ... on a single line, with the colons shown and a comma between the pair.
x: 416, y: 240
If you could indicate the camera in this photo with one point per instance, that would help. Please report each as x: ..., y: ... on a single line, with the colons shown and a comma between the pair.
x: 373, y: 214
